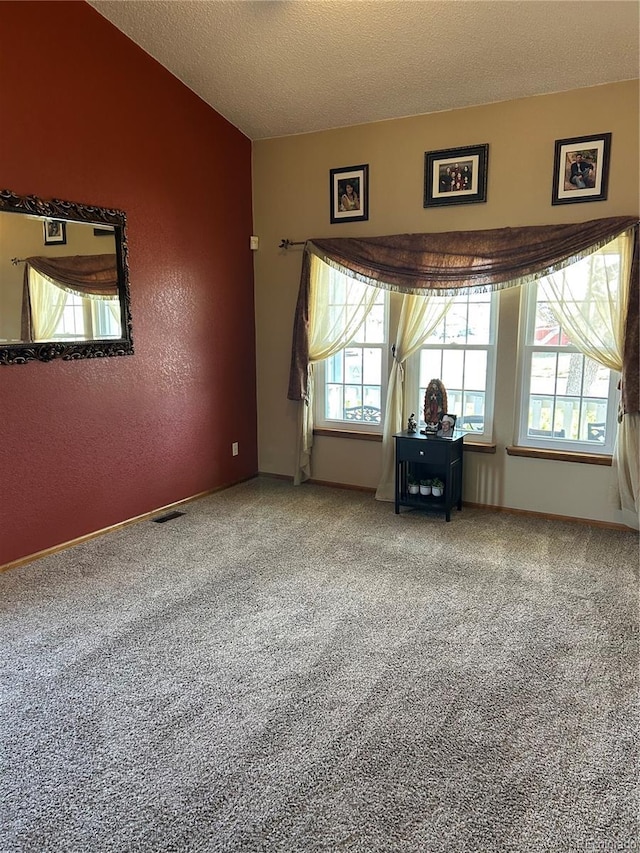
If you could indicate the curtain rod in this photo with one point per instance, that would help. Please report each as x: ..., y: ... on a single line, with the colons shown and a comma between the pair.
x: 16, y: 261
x: 284, y: 244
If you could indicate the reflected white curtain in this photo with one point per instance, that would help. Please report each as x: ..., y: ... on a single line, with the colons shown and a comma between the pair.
x: 419, y: 316
x: 331, y: 328
x: 47, y: 305
x: 114, y: 309
x: 590, y: 298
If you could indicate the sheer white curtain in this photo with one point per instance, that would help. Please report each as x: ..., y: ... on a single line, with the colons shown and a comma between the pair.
x: 47, y: 305
x: 418, y: 318
x: 338, y: 305
x: 590, y: 298
x: 626, y: 470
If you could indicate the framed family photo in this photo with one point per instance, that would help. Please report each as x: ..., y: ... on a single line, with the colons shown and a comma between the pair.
x: 581, y: 169
x: 349, y: 193
x: 55, y: 231
x: 455, y: 176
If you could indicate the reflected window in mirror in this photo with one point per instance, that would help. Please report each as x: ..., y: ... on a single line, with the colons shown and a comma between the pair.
x: 65, y: 314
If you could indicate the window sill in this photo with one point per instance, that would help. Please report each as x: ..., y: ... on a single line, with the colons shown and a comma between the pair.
x: 343, y: 433
x: 477, y: 447
x: 560, y: 455
x: 468, y: 446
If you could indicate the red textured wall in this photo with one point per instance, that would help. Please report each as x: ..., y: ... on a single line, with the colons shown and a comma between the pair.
x: 89, y: 117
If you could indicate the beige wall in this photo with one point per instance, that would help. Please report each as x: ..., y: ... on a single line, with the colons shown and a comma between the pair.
x: 291, y: 200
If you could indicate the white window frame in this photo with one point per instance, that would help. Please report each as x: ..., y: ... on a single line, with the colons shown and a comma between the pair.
x: 414, y: 392
x: 528, y: 302
x: 320, y: 382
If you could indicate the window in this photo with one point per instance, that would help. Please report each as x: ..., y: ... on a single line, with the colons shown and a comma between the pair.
x: 569, y: 401
x: 60, y: 314
x: 71, y: 323
x: 351, y: 386
x: 85, y: 318
x: 461, y: 352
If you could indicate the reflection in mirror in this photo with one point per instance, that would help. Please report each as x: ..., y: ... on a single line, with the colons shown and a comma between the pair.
x: 64, y: 289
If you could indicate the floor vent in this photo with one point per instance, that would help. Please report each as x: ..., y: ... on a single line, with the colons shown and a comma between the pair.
x: 168, y: 517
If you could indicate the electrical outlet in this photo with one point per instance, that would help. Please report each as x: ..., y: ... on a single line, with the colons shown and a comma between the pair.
x: 234, y: 449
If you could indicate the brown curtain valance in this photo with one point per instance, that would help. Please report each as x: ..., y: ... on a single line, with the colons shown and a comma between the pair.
x: 460, y: 259
x: 89, y: 275
x: 451, y: 261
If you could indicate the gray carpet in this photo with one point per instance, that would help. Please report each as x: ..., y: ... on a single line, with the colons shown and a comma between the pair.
x: 299, y: 669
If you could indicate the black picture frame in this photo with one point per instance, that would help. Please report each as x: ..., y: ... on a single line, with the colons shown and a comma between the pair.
x: 54, y: 232
x: 443, y: 187
x: 581, y: 169
x: 357, y: 178
x: 447, y: 425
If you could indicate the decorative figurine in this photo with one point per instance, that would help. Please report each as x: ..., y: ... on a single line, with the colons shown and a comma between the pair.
x: 435, y: 404
x: 412, y: 426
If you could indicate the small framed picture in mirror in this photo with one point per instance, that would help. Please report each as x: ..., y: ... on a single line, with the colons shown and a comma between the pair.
x: 55, y: 231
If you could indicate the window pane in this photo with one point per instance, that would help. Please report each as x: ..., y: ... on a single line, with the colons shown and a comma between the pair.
x: 479, y: 331
x: 547, y: 329
x: 473, y: 412
x: 475, y: 370
x: 352, y: 396
x: 430, y: 365
x: 566, y: 423
x: 334, y: 367
x: 596, y: 380
x: 594, y: 421
x: 456, y: 323
x: 333, y: 398
x: 453, y: 368
x: 71, y: 322
x: 540, y: 413
x: 353, y: 365
x: 543, y: 373
x: 569, y: 380
x: 372, y: 398
x: 372, y: 366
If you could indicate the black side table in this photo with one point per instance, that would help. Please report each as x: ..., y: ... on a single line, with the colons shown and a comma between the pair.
x: 425, y: 457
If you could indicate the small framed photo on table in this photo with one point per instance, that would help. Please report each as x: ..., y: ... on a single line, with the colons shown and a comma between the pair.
x: 349, y: 192
x: 55, y: 231
x: 447, y: 426
x: 455, y: 176
x: 581, y: 169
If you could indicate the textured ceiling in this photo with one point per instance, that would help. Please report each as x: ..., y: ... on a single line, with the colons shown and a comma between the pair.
x: 280, y: 67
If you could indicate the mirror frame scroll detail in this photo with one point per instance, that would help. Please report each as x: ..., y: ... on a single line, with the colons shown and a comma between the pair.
x: 22, y: 352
